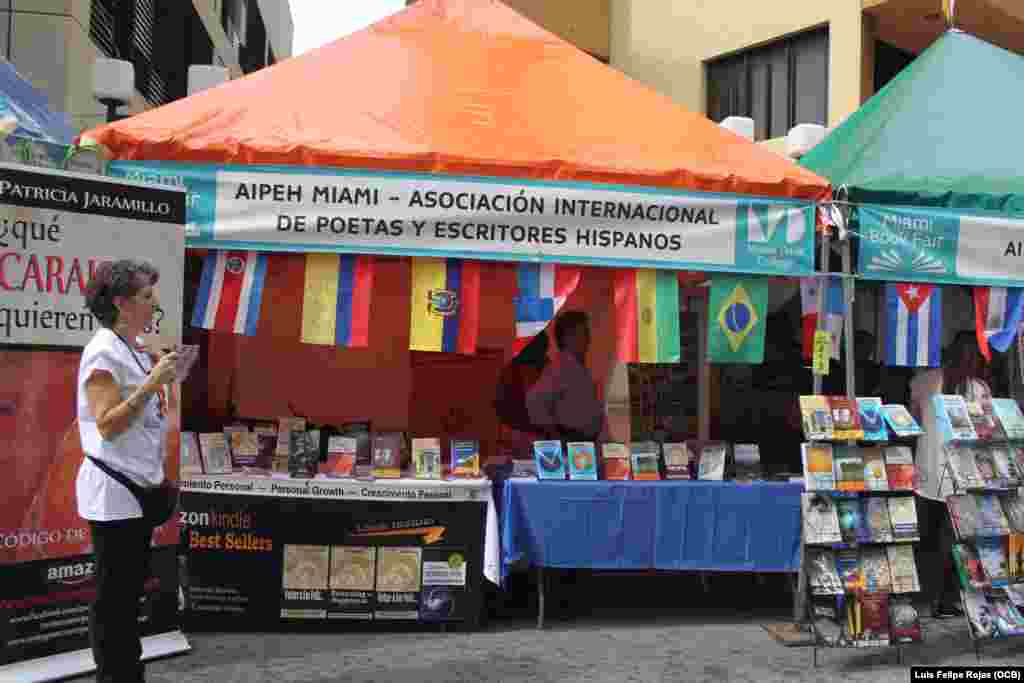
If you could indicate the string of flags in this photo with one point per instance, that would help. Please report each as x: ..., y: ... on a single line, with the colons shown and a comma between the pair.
x: 445, y: 308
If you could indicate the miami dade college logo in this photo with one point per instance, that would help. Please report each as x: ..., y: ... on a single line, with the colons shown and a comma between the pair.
x: 766, y: 224
x: 442, y: 302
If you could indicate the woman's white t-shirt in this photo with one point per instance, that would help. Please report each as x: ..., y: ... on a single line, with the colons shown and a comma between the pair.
x: 137, y: 452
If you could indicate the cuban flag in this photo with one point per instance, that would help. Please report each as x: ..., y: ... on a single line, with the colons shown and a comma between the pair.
x: 230, y: 292
x: 914, y: 316
x: 998, y: 312
x: 543, y: 290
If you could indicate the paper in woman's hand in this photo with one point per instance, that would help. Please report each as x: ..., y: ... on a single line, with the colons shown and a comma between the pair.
x: 187, y: 357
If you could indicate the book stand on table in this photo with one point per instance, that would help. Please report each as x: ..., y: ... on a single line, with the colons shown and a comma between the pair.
x: 806, y: 616
x: 991, y: 588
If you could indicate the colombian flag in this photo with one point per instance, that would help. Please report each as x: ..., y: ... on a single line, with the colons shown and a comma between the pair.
x: 336, y: 300
x: 647, y: 315
x: 445, y: 305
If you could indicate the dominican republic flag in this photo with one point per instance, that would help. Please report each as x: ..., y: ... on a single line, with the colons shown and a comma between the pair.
x: 835, y: 308
x: 543, y: 289
x: 914, y: 316
x: 230, y: 292
x: 998, y: 312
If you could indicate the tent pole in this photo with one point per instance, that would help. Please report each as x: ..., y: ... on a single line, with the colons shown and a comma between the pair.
x: 848, y: 297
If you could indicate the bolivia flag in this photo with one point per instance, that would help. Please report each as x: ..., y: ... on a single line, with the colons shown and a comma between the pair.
x: 647, y: 315
x: 336, y: 300
x: 445, y: 312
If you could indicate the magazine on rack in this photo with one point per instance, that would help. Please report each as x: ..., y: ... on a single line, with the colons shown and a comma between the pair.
x: 285, y: 426
x: 877, y: 575
x: 900, y: 421
x: 952, y: 418
x: 387, y: 455
x: 899, y: 468
x: 550, y: 463
x: 904, y: 621
x: 985, y: 424
x: 304, y: 454
x: 991, y: 519
x: 816, y: 417
x: 1013, y: 508
x: 677, y: 460
x: 582, y: 460
x: 875, y: 477
x: 643, y: 457
x: 963, y: 467
x: 819, y: 473
x: 875, y: 616
x: 746, y: 459
x: 992, y: 553
x: 877, y: 512
x: 1006, y: 469
x: 465, y: 458
x: 987, y: 468
x: 266, y: 440
x: 851, y: 573
x: 191, y: 460
x: 849, y: 468
x: 1016, y: 453
x: 215, y: 453
x: 712, y: 461
x: 1015, y: 556
x: 1009, y: 620
x: 245, y: 449
x: 820, y: 519
x: 822, y: 576
x: 1008, y: 412
x: 341, y: 456
x: 980, y: 614
x: 426, y: 457
x: 845, y: 419
x: 872, y: 419
x: 615, y: 461
x: 903, y: 568
x: 852, y: 525
x: 903, y: 515
x: 968, y: 568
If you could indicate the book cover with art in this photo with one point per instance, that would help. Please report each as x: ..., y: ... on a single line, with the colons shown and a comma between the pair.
x: 712, y: 461
x: 968, y: 568
x: 994, y: 562
x: 643, y: 457
x: 979, y: 614
x: 465, y: 459
x: 1008, y: 412
x: 964, y: 467
x: 387, y: 455
x: 877, y: 512
x: 900, y: 421
x: 850, y: 571
x: 285, y: 426
x: 304, y: 455
x: 677, y: 460
x: 1016, y: 454
x: 266, y: 439
x: 582, y: 460
x: 819, y: 469
x: 875, y: 617
x: 820, y: 519
x: 875, y: 476
x: 991, y: 519
x: 816, y: 417
x: 877, y: 575
x: 398, y: 583
x: 904, y: 620
x: 846, y: 424
x: 1009, y: 620
x: 1013, y: 508
x: 988, y: 469
x: 952, y: 418
x: 615, y: 461
x: 443, y: 593
x: 985, y: 424
x: 849, y: 468
x: 216, y: 456
x: 550, y: 463
x: 872, y: 419
x: 341, y: 456
x: 903, y: 568
x: 899, y: 468
x: 822, y: 575
x: 963, y: 511
x: 852, y: 524
x: 1006, y: 472
x: 903, y: 515
x: 230, y: 435
x: 351, y: 582
x: 746, y: 459
x: 426, y: 458
x: 304, y: 581
x: 361, y: 432
x: 190, y: 460
x: 1015, y: 556
x: 245, y: 448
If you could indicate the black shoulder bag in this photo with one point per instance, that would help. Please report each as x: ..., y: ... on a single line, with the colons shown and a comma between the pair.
x: 158, y: 503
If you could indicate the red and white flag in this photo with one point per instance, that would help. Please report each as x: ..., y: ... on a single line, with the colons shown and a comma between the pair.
x: 230, y: 292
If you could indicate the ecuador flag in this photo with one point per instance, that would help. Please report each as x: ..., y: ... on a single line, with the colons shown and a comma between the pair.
x: 336, y: 300
x: 647, y: 315
x: 445, y: 312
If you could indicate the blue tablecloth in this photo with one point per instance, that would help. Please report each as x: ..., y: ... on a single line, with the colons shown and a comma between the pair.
x: 673, y: 525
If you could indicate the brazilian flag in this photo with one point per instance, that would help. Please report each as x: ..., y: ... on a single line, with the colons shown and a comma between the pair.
x: 737, y: 316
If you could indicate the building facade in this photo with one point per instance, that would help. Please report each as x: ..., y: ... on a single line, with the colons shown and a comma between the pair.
x: 791, y: 61
x: 53, y: 43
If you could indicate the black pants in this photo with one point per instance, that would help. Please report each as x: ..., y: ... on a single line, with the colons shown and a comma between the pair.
x: 122, y: 552
x: 938, y: 537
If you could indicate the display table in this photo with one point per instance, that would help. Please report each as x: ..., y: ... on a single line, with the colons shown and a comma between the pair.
x: 260, y: 550
x: 640, y: 525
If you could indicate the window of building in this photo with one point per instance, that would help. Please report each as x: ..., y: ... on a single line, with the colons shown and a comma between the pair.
x: 778, y: 85
x: 889, y: 61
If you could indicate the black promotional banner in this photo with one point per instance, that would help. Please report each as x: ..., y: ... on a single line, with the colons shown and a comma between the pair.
x: 44, y: 605
x: 263, y: 560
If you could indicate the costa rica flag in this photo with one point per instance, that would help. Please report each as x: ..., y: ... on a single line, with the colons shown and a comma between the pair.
x: 230, y: 292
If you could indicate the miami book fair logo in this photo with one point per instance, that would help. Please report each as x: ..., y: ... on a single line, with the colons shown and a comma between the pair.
x: 899, y: 243
x: 775, y: 237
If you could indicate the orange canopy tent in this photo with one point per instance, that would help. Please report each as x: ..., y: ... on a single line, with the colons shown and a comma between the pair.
x: 464, y: 87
